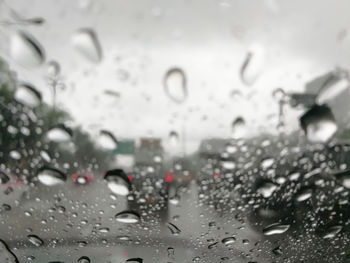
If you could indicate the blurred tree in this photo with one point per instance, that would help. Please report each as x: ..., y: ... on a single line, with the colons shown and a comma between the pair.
x: 24, y: 146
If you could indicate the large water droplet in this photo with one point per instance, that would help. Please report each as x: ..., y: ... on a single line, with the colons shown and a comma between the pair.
x: 303, y: 195
x: 253, y: 65
x: 175, y: 85
x: 60, y: 134
x: 171, y: 252
x: 267, y: 189
x: 6, y: 256
x: 26, y: 50
x: 332, y: 231
x: 15, y: 155
x: 174, y: 138
x: 27, y: 95
x: 84, y: 259
x: 344, y: 178
x: 35, y: 240
x: 275, y: 229
x: 85, y: 41
x: 128, y: 217
x: 238, y: 128
x: 173, y: 229
x: 318, y: 124
x: 118, y: 182
x: 107, y: 140
x: 135, y: 260
x: 228, y: 241
x: 51, y: 176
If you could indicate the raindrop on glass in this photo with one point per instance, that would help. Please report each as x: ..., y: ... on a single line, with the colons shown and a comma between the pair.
x: 84, y: 259
x: 228, y: 241
x: 275, y: 229
x: 318, y: 124
x: 107, y: 140
x: 252, y: 65
x: 59, y: 133
x: 128, y: 217
x: 35, y: 240
x: 51, y: 176
x: 173, y: 229
x: 6, y: 256
x: 118, y: 182
x: 85, y: 41
x: 238, y: 128
x: 26, y: 50
x: 175, y: 85
x: 27, y: 95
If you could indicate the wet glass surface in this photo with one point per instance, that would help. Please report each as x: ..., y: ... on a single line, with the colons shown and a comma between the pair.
x: 174, y: 131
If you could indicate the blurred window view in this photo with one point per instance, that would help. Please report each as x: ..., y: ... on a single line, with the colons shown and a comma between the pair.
x: 174, y: 131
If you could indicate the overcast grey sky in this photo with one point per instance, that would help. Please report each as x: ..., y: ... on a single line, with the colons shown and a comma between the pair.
x: 208, y: 40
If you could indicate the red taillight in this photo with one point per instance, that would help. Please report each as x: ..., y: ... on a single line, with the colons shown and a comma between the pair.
x: 169, y: 177
x: 216, y: 176
x: 130, y: 178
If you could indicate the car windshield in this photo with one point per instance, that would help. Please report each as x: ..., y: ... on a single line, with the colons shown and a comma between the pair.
x: 174, y: 131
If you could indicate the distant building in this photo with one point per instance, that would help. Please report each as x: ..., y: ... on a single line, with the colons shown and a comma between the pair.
x: 212, y: 147
x: 149, y: 152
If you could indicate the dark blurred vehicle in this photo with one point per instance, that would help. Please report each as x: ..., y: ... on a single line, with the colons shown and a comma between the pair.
x: 181, y: 171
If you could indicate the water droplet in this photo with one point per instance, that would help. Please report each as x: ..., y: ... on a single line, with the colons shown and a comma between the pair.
x: 84, y: 259
x: 267, y: 189
x: 4, y: 178
x: 51, y: 176
x: 118, y: 182
x: 275, y: 229
x: 336, y: 84
x: 236, y: 94
x: 213, y: 245
x: 82, y: 243
x: 27, y: 95
x: 59, y: 133
x: 277, y: 251
x: 26, y: 50
x: 85, y: 41
x: 173, y: 229
x: 332, y: 232
x: 107, y: 140
x: 228, y: 241
x: 6, y: 256
x: 303, y: 195
x: 35, y: 240
x: 15, y: 155
x: 171, y: 252
x: 238, y: 128
x: 267, y: 163
x: 45, y: 156
x: 343, y: 177
x: 173, y: 138
x: 253, y: 65
x: 228, y: 164
x: 174, y: 200
x: 135, y: 260
x: 53, y: 68
x: 175, y: 85
x: 103, y: 230
x: 318, y: 124
x: 128, y: 217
